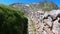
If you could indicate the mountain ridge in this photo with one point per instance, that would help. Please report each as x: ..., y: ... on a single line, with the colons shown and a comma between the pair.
x: 40, y: 6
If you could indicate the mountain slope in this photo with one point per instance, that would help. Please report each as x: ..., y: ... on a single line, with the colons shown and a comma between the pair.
x: 27, y: 8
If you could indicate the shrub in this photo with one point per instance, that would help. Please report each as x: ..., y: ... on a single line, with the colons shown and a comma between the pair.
x: 12, y: 21
x: 46, y: 9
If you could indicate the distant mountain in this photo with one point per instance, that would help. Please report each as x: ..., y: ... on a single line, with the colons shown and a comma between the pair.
x: 27, y: 8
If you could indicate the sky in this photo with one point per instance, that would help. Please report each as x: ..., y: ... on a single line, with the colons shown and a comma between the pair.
x: 8, y: 2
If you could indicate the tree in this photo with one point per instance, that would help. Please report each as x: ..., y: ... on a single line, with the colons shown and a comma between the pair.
x: 12, y: 21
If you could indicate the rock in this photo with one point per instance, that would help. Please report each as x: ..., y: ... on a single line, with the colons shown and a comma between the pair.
x: 56, y: 27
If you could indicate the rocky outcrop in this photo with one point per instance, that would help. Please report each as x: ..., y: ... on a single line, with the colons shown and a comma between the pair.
x: 45, y: 24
